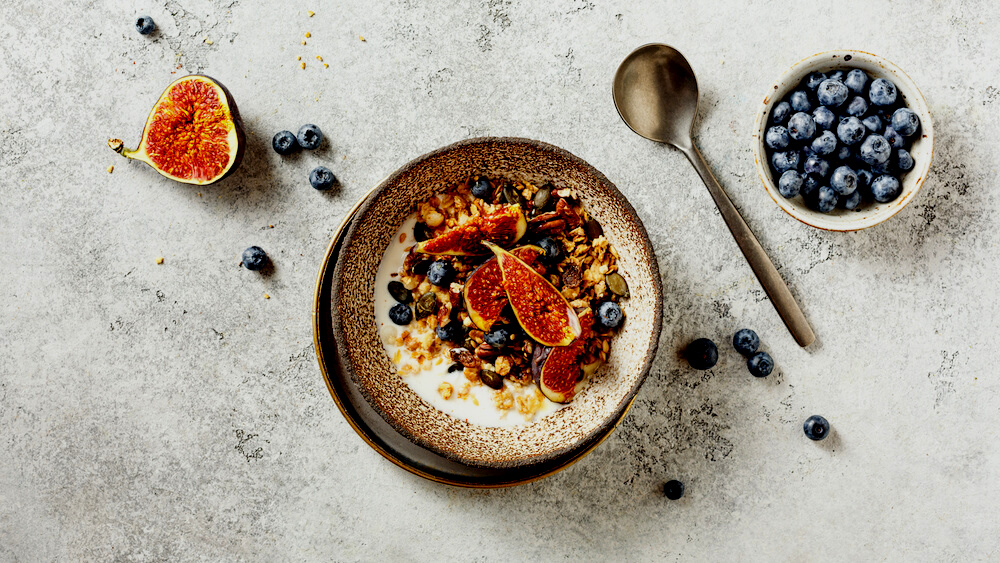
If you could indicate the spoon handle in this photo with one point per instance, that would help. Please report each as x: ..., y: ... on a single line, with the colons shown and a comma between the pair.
x: 774, y: 286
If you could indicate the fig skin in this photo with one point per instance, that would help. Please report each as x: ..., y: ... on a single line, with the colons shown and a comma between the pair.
x: 484, y: 295
x: 234, y: 117
x: 464, y: 240
x: 560, y: 373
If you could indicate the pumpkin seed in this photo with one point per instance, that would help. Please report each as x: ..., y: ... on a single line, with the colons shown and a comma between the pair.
x: 490, y: 378
x: 592, y: 228
x: 512, y: 196
x: 455, y: 367
x: 542, y: 199
x: 422, y: 232
x: 427, y: 305
x: 616, y: 283
x: 399, y: 292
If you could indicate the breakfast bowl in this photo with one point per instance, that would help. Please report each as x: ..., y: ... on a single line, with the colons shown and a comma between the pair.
x: 356, y: 286
x: 868, y: 213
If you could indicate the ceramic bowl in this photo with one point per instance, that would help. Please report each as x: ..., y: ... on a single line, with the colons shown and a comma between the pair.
x: 597, y: 407
x: 869, y: 214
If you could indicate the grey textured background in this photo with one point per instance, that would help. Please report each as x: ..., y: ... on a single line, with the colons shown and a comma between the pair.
x: 169, y: 412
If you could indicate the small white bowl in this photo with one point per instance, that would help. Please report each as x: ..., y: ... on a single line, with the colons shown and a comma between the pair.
x: 922, y: 149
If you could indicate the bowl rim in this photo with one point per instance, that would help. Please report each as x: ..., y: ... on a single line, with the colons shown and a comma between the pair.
x: 653, y: 342
x: 836, y: 58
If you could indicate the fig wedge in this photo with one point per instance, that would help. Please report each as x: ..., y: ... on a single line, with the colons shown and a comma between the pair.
x: 561, y: 374
x: 193, y: 134
x: 503, y: 227
x: 541, y: 310
x: 483, y: 293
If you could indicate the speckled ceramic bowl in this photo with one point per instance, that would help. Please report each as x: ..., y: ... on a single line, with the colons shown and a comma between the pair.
x: 595, y: 409
x: 922, y: 150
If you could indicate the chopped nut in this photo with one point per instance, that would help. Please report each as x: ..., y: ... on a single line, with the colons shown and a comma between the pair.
x: 445, y: 389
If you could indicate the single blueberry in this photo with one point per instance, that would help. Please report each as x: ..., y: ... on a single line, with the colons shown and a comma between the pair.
x: 832, y: 93
x: 856, y: 107
x: 800, y: 101
x: 816, y: 427
x: 144, y: 25
x: 254, y: 258
x: 850, y: 130
x: 782, y: 161
x: 789, y: 184
x: 904, y: 160
x: 875, y: 150
x: 814, y: 79
x: 885, y: 188
x: 864, y: 178
x: 284, y: 142
x: 844, y: 180
x: 610, y: 315
x: 702, y: 354
x: 322, y: 178
x: 401, y: 314
x: 825, y: 143
x: 809, y: 185
x: 872, y: 123
x: 852, y: 201
x: 826, y: 199
x: 498, y: 338
x: 309, y: 136
x: 801, y: 126
x: 673, y: 489
x: 816, y: 165
x: 824, y: 118
x: 451, y: 332
x: 856, y: 80
x: 482, y: 189
x: 746, y: 341
x: 836, y: 75
x: 895, y: 139
x: 905, y: 121
x: 440, y: 273
x: 882, y: 167
x: 882, y: 92
x: 553, y: 251
x: 760, y: 364
x: 776, y: 137
x: 780, y: 112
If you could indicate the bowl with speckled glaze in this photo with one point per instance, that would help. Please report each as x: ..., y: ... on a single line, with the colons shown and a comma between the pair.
x: 594, y: 410
x: 922, y: 149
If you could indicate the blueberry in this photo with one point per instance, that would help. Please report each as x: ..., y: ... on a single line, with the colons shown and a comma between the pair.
x: 498, y: 338
x: 844, y: 180
x: 856, y: 80
x: 785, y: 160
x: 872, y: 123
x: 856, y: 107
x: 746, y: 341
x: 673, y: 489
x: 852, y: 201
x: 875, y: 150
x: 482, y: 189
x: 844, y: 153
x: 776, y: 137
x: 814, y: 79
x: 832, y: 93
x: 789, y: 184
x: 321, y: 178
x: 399, y: 292
x: 801, y: 126
x: 824, y: 118
x: 905, y: 121
x: 809, y: 185
x: 553, y: 251
x: 850, y: 130
x: 780, y: 112
x: 895, y: 139
x: 800, y: 101
x: 440, y: 273
x: 309, y: 137
x: 826, y: 199
x: 882, y: 92
x: 451, y: 332
x: 144, y: 25
x: 864, y: 178
x: 816, y: 427
x: 284, y: 142
x: 254, y: 258
x: 816, y: 165
x: 885, y: 188
x: 760, y: 364
x: 825, y: 143
x: 609, y: 314
x: 422, y: 232
x: 836, y: 75
x: 702, y: 354
x: 904, y: 161
x: 401, y: 314
x: 882, y: 167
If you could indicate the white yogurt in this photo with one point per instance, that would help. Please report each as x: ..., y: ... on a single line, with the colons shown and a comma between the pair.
x: 478, y: 406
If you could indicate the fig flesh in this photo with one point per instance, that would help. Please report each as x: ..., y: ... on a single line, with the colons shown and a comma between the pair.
x: 503, y: 227
x: 193, y: 134
x: 483, y: 293
x: 560, y: 374
x: 541, y: 310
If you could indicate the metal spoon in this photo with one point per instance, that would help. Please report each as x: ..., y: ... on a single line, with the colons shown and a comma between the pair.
x: 656, y: 94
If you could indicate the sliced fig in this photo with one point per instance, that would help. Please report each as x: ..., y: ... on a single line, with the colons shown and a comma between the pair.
x: 561, y: 372
x: 193, y: 134
x: 503, y: 227
x: 541, y: 310
x: 483, y: 293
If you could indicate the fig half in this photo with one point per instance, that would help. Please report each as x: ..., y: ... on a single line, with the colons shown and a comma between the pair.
x: 504, y: 227
x: 541, y: 310
x: 193, y: 134
x: 484, y: 294
x: 561, y: 373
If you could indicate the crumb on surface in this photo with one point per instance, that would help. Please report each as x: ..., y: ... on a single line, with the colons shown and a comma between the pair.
x: 299, y: 58
x: 362, y: 37
x: 159, y: 260
x: 303, y: 41
x: 311, y: 13
x: 326, y: 65
x: 209, y: 41
x: 111, y: 169
x: 266, y: 296
x: 308, y: 35
x: 303, y: 65
x: 319, y: 58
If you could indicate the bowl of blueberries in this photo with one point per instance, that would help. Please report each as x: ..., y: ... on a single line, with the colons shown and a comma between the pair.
x: 844, y: 140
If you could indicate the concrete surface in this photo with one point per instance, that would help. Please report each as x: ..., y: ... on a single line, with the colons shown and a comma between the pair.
x: 170, y: 412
